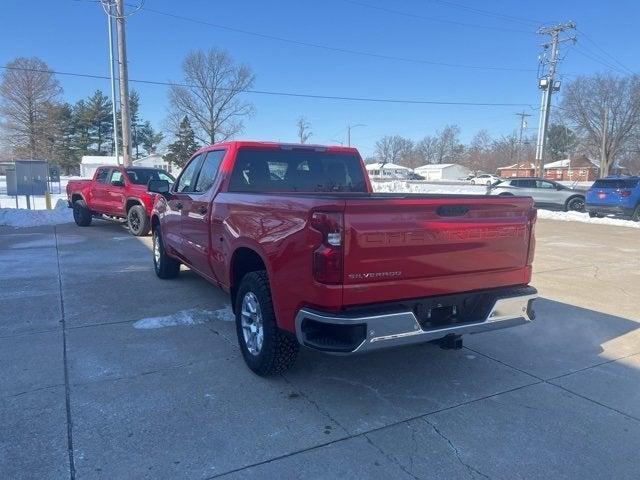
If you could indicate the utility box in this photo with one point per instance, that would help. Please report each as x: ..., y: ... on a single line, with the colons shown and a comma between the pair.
x: 31, y: 177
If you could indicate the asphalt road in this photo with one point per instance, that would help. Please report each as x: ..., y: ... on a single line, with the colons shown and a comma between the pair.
x: 84, y: 394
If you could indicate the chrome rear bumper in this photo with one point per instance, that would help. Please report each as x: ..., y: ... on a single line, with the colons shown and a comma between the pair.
x: 373, y: 332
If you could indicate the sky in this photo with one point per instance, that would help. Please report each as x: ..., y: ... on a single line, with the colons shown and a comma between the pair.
x: 71, y: 36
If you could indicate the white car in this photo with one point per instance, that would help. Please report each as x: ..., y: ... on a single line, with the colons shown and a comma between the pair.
x: 485, y: 179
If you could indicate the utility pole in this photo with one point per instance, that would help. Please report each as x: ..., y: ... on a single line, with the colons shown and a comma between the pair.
x: 604, y: 167
x: 109, y: 12
x: 523, y: 125
x: 349, y: 127
x: 125, y: 117
x: 548, y: 84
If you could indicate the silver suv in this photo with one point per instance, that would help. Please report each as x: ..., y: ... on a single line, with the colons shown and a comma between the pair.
x: 545, y: 193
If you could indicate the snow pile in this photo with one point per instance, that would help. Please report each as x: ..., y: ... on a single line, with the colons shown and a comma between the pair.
x: 403, y: 186
x: 585, y: 218
x: 194, y: 316
x: 21, y: 218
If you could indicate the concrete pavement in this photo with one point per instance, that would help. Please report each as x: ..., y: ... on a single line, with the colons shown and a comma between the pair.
x: 84, y: 394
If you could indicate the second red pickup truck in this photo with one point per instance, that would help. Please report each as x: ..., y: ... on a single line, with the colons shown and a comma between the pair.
x: 116, y: 192
x: 311, y: 256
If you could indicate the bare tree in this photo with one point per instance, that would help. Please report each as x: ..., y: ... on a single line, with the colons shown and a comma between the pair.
x: 28, y: 93
x: 213, y: 98
x: 304, y: 129
x: 442, y: 147
x: 478, y: 153
x: 606, y: 110
x: 392, y: 149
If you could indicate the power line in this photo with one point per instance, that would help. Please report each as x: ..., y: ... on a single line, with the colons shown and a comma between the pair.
x: 434, y: 19
x: 490, y: 13
x: 581, y: 50
x: 328, y: 47
x: 590, y: 40
x: 286, y: 94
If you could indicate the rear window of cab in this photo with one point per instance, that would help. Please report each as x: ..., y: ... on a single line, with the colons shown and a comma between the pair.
x: 616, y: 183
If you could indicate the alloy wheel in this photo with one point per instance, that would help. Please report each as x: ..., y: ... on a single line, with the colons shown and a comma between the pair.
x: 251, y: 323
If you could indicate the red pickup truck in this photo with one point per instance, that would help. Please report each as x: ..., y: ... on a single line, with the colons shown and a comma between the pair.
x: 116, y: 192
x: 311, y: 256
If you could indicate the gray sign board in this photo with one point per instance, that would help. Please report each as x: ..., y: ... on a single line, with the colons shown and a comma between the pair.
x: 31, y: 177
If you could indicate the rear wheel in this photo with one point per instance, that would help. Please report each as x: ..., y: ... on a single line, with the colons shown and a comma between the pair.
x: 266, y: 349
x: 81, y: 213
x: 636, y: 214
x: 575, y: 204
x: 165, y: 266
x: 595, y: 215
x: 138, y: 221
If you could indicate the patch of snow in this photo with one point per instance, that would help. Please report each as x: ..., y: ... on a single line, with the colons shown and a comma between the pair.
x: 404, y: 186
x: 585, y: 218
x: 22, y: 218
x: 193, y: 316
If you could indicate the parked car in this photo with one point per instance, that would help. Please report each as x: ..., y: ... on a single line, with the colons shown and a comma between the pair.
x: 313, y: 257
x: 116, y: 192
x: 545, y: 193
x: 484, y: 179
x: 414, y: 176
x: 615, y: 195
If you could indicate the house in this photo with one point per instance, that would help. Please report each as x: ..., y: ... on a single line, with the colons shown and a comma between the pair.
x: 578, y: 169
x: 387, y: 170
x: 522, y: 170
x: 442, y: 171
x: 90, y: 163
x: 155, y: 160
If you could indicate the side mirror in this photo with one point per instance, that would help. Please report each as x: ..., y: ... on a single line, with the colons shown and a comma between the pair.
x: 117, y: 183
x: 158, y: 186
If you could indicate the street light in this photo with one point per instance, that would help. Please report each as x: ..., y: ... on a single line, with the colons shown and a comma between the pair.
x: 349, y: 127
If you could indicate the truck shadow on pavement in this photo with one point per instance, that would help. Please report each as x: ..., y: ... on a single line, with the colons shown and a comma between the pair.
x: 178, y: 401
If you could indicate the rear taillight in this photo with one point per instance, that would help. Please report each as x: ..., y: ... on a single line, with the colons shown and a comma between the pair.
x: 327, y: 258
x: 533, y: 217
x: 625, y: 193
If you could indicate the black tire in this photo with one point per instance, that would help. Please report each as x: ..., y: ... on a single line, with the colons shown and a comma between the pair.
x: 506, y: 194
x: 595, y: 215
x: 138, y: 221
x: 574, y: 204
x: 473, y: 182
x: 81, y: 213
x: 279, y: 349
x: 165, y: 266
x: 635, y: 216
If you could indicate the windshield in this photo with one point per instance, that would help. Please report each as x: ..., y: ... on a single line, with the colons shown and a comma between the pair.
x: 296, y: 170
x: 141, y: 176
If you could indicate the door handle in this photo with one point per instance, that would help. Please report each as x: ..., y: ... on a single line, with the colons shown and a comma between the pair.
x: 178, y: 206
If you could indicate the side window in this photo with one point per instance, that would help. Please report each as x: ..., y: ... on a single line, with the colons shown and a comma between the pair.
x: 186, y: 182
x: 546, y: 185
x: 527, y: 184
x: 116, y: 176
x: 103, y: 174
x: 209, y: 170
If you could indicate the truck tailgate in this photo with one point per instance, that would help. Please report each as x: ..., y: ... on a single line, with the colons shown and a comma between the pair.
x: 418, y: 246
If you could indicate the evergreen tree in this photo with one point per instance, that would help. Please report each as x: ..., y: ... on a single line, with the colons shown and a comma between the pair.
x: 148, y: 138
x: 185, y: 145
x: 100, y: 121
x: 63, y: 151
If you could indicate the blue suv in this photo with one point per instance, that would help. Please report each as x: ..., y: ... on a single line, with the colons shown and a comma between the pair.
x: 614, y: 195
